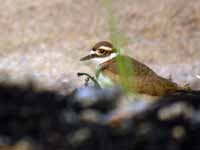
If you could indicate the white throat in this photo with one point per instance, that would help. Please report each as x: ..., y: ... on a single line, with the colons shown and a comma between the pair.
x: 101, y: 60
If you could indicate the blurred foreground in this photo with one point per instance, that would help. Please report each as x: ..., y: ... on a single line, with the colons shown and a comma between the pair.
x: 44, y: 120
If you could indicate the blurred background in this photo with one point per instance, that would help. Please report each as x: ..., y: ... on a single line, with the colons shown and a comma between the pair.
x: 44, y: 40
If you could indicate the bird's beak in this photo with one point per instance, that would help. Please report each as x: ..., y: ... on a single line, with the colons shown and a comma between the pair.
x: 90, y: 56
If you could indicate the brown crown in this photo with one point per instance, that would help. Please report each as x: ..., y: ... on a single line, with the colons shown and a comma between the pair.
x: 102, y: 43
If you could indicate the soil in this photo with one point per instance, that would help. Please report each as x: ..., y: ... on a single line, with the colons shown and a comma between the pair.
x: 43, y: 40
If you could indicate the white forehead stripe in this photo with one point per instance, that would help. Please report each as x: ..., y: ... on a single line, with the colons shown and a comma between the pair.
x: 105, y: 48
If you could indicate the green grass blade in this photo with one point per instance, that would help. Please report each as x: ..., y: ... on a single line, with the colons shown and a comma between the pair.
x: 118, y: 39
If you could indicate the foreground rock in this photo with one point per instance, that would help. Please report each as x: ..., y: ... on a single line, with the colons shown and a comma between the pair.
x: 44, y: 120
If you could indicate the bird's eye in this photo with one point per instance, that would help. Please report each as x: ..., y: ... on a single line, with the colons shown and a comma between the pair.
x: 101, y: 51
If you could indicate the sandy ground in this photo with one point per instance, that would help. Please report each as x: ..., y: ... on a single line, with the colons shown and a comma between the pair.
x: 43, y: 40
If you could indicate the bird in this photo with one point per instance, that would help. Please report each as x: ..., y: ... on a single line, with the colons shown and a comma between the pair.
x: 140, y: 78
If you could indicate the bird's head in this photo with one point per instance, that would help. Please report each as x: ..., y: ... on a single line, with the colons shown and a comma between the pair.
x: 101, y: 52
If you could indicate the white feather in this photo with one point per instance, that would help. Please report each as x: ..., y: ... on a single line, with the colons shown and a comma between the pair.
x: 105, y: 48
x: 100, y: 60
x: 104, y: 81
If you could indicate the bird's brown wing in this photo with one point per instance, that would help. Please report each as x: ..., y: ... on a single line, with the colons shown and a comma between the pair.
x: 141, y: 80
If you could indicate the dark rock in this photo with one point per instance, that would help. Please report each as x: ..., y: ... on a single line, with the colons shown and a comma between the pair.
x: 54, y: 122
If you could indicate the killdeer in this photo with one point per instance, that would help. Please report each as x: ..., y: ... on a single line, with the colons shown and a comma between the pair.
x: 142, y: 79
